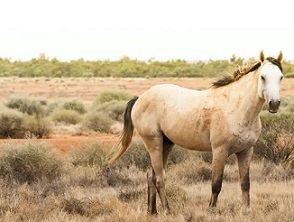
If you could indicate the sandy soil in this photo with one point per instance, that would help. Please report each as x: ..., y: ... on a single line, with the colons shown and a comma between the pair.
x: 88, y: 89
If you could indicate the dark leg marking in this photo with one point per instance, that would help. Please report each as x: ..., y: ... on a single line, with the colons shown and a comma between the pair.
x: 215, y: 188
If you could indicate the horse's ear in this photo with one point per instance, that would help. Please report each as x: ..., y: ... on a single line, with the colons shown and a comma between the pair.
x: 280, y: 57
x: 261, y: 56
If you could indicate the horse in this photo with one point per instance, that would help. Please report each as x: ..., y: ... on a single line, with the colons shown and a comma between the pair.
x: 223, y: 119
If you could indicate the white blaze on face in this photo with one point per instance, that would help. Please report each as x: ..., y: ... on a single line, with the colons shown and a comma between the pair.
x: 269, y: 85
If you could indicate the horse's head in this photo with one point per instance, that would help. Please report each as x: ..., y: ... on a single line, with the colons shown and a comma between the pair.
x: 270, y: 76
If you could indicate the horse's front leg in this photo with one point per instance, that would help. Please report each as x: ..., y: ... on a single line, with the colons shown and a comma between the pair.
x: 244, y: 159
x: 151, y: 179
x: 218, y: 164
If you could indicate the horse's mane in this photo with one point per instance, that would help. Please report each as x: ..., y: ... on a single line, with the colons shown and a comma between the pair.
x: 242, y: 71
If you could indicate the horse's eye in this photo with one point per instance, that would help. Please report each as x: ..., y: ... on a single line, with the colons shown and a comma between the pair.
x: 282, y: 77
x: 262, y: 77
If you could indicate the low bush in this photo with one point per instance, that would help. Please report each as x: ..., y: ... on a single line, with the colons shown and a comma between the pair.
x: 114, y: 109
x: 11, y: 124
x: 113, y: 95
x: 66, y: 116
x: 30, y: 162
x: 192, y: 170
x: 276, y: 142
x: 98, y: 121
x: 75, y: 105
x: 26, y: 105
x: 89, y: 155
x: 37, y: 127
x: 135, y: 155
x: 51, y: 107
x: 178, y: 155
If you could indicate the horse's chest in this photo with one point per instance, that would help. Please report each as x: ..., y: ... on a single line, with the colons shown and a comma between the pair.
x: 243, y: 137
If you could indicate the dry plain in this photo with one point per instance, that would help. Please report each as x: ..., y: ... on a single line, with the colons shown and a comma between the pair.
x: 84, y: 199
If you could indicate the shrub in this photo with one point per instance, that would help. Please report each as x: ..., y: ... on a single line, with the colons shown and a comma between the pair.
x: 269, y: 144
x: 90, y: 155
x: 98, y: 121
x: 192, y: 170
x: 26, y: 105
x: 177, y: 155
x: 11, y: 124
x: 36, y: 126
x: 111, y: 95
x: 66, y: 116
x: 75, y: 105
x: 114, y: 109
x: 30, y: 162
x: 136, y: 155
x: 51, y: 107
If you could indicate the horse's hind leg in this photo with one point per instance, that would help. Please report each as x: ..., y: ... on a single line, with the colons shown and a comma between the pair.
x: 158, y: 154
x: 218, y: 165
x: 151, y: 179
x: 244, y: 159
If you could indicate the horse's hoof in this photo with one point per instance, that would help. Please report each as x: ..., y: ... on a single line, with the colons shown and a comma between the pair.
x: 154, y: 212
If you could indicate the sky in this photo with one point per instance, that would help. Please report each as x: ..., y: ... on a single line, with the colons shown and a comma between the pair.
x: 144, y: 29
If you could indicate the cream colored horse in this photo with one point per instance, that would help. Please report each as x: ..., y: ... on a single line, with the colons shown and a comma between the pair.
x: 224, y: 119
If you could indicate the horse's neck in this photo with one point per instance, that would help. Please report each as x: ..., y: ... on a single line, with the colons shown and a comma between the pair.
x: 243, y: 97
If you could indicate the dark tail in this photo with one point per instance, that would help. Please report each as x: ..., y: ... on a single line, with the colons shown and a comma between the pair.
x: 127, y: 132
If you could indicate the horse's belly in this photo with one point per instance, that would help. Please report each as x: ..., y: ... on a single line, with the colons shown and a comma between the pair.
x: 199, y: 142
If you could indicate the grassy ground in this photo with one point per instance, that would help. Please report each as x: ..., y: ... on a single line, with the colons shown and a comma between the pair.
x: 83, y: 190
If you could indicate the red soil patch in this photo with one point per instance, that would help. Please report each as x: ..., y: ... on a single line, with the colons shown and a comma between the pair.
x: 66, y: 142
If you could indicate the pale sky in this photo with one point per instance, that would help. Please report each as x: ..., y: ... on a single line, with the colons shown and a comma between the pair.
x: 143, y: 29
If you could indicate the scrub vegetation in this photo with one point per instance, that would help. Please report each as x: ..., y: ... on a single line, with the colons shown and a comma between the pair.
x: 125, y: 67
x: 40, y: 183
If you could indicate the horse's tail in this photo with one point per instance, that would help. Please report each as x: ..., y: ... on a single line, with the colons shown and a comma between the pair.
x: 127, y: 132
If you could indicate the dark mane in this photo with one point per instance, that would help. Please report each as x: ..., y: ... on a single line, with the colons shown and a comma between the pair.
x: 242, y: 71
x: 275, y: 62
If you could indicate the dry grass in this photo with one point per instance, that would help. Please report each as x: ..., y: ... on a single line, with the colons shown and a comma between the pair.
x: 93, y: 192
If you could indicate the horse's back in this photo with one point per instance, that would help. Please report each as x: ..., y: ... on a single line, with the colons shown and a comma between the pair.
x: 180, y: 114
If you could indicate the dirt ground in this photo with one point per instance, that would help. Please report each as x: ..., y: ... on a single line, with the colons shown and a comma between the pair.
x: 87, y: 89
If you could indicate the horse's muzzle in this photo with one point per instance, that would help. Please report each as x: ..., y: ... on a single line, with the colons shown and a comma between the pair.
x: 273, y: 106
